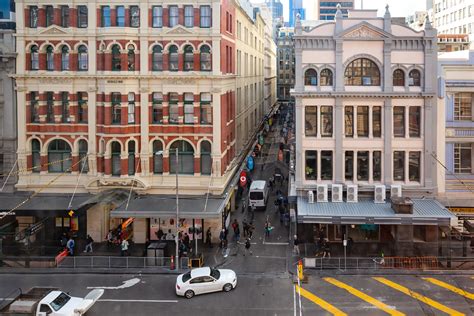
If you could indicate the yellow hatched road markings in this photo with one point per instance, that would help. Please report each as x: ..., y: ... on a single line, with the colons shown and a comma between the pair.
x: 369, y: 299
x: 419, y: 297
x: 450, y: 287
x: 319, y: 301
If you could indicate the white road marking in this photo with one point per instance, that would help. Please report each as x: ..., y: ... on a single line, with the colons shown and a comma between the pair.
x: 276, y: 243
x: 294, y: 300
x: 139, y: 301
x: 126, y: 284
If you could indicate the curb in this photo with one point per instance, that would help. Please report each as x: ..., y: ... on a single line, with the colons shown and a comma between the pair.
x: 87, y: 271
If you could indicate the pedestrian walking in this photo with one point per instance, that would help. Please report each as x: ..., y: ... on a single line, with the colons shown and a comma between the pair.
x: 236, y: 228
x: 326, y: 250
x: 124, y: 248
x: 268, y: 228
x: 89, y: 242
x: 250, y: 231
x: 296, y: 247
x: 208, y: 237
x: 63, y: 240
x: 245, y: 225
x: 110, y: 238
x: 247, y: 247
x: 186, y: 241
x: 222, y: 238
x: 70, y: 246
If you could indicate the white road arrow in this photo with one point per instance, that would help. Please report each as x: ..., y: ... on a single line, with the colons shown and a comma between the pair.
x: 126, y: 284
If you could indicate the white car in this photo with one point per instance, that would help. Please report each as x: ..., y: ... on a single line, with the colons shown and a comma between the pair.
x: 205, y: 280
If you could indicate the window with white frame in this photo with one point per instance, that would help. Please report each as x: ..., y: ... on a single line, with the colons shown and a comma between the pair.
x: 463, y: 158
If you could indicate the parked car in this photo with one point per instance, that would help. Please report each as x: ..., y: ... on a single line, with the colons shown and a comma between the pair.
x: 205, y: 280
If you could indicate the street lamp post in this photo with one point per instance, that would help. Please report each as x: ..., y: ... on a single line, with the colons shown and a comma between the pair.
x: 177, y: 211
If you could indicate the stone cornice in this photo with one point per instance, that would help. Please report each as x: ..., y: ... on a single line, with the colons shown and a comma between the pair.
x: 77, y: 76
x: 351, y: 94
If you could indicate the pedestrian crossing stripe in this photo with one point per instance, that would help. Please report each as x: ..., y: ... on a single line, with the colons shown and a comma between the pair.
x: 319, y: 301
x: 369, y: 299
x: 418, y: 296
x: 450, y: 287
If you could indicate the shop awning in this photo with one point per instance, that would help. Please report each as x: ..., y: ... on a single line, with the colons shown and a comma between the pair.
x: 425, y: 212
x: 164, y: 206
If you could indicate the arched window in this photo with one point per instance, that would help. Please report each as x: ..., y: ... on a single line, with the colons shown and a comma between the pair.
x: 157, y: 157
x: 188, y: 58
x: 83, y: 165
x: 64, y: 58
x: 310, y: 77
x: 414, y: 78
x: 82, y: 58
x: 398, y: 78
x: 205, y: 58
x: 34, y: 58
x: 185, y: 157
x: 157, y: 58
x: 116, y: 62
x: 131, y: 58
x: 173, y: 58
x: 206, y: 160
x: 50, y: 58
x: 131, y: 158
x: 116, y: 152
x: 59, y: 156
x: 325, y: 77
x: 362, y: 72
x: 36, y: 155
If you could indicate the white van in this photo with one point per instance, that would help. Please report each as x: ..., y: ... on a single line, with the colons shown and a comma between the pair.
x: 258, y: 194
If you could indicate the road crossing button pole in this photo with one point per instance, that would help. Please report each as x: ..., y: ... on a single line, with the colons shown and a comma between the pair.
x: 344, y: 243
x: 300, y: 270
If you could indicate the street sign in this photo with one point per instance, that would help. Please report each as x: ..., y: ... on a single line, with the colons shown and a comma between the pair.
x: 71, y: 213
x: 243, y: 179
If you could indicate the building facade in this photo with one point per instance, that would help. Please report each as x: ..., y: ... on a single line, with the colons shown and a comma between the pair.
x: 296, y: 8
x: 456, y: 70
x: 286, y: 63
x: 366, y: 132
x: 8, y: 135
x: 453, y: 17
x: 108, y: 93
x: 276, y: 7
x: 326, y: 10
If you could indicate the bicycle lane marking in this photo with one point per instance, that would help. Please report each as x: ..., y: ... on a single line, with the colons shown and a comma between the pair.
x: 418, y: 296
x: 319, y: 301
x: 369, y: 299
x: 450, y: 287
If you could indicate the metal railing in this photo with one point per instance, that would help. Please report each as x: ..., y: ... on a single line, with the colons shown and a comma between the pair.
x: 106, y: 262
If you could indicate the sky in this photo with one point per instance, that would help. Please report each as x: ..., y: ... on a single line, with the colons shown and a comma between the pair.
x: 398, y: 8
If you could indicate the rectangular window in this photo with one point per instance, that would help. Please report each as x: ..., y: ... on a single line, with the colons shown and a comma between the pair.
x: 363, y: 165
x: 50, y: 107
x: 326, y: 165
x: 105, y: 12
x: 463, y: 106
x: 206, y: 109
x: 173, y: 108
x: 349, y: 121
x: 414, y: 120
x: 81, y: 107
x: 462, y: 158
x: 399, y: 166
x: 134, y: 16
x: 157, y: 107
x: 64, y: 16
x: 311, y: 167
x: 311, y: 121
x: 173, y: 15
x: 82, y: 16
x: 188, y: 108
x: 120, y: 18
x: 116, y: 108
x: 377, y: 121
x: 377, y: 165
x: 49, y: 15
x: 33, y: 16
x: 399, y: 121
x: 363, y: 121
x: 157, y: 16
x: 326, y: 121
x: 206, y: 16
x: 349, y: 165
x: 131, y: 108
x: 34, y: 107
x: 188, y: 16
x: 65, y: 107
x: 414, y: 166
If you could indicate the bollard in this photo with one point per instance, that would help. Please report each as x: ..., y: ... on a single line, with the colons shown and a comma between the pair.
x: 172, y: 263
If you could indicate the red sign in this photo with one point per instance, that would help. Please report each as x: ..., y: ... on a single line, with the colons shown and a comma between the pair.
x: 243, y: 179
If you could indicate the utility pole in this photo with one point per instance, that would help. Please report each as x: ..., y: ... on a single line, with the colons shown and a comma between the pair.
x: 177, y: 211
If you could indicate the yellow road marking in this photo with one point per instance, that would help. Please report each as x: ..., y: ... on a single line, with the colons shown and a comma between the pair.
x: 419, y: 297
x: 450, y: 287
x: 319, y: 301
x: 369, y: 299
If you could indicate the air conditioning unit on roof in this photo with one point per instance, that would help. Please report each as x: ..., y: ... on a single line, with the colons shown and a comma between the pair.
x: 352, y: 191
x: 310, y: 197
x: 379, y: 194
x: 322, y: 193
x: 336, y: 193
x: 396, y: 191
